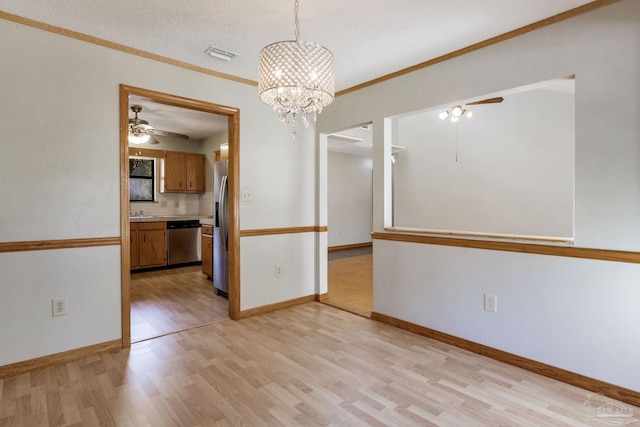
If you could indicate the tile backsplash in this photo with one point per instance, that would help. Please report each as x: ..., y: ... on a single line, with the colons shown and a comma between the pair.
x: 175, y: 204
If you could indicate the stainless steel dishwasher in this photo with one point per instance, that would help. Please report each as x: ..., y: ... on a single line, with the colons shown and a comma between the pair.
x: 183, y: 242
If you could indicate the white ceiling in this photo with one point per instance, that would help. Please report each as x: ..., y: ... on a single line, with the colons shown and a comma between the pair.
x: 193, y: 123
x: 369, y: 38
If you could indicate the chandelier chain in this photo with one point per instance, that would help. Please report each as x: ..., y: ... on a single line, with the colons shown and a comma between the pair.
x: 295, y: 13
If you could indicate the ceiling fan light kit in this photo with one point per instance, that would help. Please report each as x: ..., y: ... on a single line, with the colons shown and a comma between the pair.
x: 296, y: 77
x: 458, y: 111
x: 136, y: 137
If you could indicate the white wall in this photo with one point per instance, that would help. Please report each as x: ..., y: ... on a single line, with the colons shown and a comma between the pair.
x: 573, y: 314
x: 59, y: 179
x: 511, y: 164
x: 28, y: 282
x: 350, y: 201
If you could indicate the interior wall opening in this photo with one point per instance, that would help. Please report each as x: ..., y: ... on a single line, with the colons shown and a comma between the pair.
x: 350, y: 219
x: 495, y: 166
x: 226, y: 117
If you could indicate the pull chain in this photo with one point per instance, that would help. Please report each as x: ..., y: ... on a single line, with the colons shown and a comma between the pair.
x: 456, y: 142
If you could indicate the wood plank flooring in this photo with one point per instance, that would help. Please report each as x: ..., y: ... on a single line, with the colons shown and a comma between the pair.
x: 350, y: 281
x: 172, y: 300
x: 311, y: 365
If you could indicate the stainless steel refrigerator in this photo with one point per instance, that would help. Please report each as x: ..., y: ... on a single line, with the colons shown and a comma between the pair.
x: 220, y: 230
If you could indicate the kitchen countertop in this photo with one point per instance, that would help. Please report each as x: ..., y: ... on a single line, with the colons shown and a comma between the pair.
x: 172, y: 218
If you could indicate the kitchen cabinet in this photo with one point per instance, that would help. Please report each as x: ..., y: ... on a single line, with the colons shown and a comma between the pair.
x: 133, y: 245
x: 151, y: 244
x: 183, y: 172
x: 195, y: 172
x: 207, y: 250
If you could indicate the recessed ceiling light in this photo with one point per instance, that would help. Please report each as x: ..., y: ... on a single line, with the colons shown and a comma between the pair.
x: 216, y: 52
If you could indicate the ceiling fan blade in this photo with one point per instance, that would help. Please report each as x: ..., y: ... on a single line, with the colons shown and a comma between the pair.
x: 153, y: 141
x: 166, y: 133
x: 487, y: 101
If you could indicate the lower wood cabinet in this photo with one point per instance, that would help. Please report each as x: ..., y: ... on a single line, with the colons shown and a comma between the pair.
x: 133, y: 245
x: 207, y: 250
x: 151, y: 244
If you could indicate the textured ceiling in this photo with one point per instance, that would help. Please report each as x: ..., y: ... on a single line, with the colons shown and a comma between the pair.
x: 369, y: 38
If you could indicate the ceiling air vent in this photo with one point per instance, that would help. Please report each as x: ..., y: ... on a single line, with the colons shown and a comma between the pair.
x: 216, y: 52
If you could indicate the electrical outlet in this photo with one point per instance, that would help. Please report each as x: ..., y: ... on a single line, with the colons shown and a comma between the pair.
x: 59, y: 306
x: 491, y: 303
x: 278, y: 271
x: 246, y: 195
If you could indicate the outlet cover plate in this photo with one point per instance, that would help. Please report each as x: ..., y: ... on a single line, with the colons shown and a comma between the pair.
x: 491, y: 303
x: 246, y: 195
x: 59, y: 306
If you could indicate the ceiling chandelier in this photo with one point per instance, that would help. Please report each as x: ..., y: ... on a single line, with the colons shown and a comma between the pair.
x: 456, y: 112
x: 296, y: 77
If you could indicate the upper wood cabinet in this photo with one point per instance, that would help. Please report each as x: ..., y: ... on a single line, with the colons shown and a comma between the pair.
x: 175, y: 171
x: 183, y: 172
x: 195, y: 172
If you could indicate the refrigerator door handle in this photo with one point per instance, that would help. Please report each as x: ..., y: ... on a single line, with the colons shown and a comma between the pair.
x: 222, y: 206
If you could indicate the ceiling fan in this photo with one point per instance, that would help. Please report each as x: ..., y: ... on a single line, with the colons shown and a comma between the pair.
x: 458, y: 111
x: 140, y: 131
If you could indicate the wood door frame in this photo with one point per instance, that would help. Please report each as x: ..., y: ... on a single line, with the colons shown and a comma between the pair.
x: 233, y: 115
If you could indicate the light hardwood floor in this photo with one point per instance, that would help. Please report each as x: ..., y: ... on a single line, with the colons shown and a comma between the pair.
x: 172, y: 300
x: 311, y: 365
x: 350, y: 281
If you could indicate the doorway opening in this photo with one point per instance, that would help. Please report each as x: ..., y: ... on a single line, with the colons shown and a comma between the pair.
x: 232, y: 116
x: 350, y: 220
x: 173, y: 300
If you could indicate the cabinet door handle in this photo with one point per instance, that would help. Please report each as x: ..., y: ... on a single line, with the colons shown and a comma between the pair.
x: 144, y: 237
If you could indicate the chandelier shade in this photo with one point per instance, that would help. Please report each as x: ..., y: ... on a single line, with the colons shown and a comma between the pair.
x: 296, y: 77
